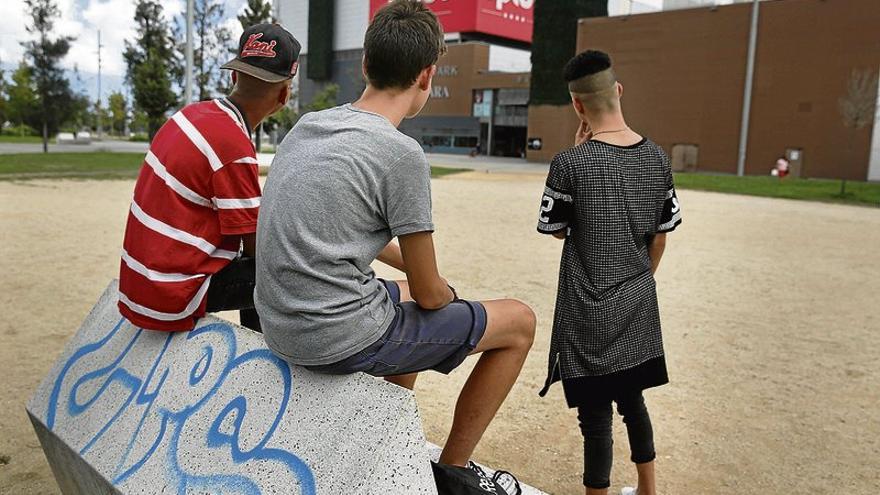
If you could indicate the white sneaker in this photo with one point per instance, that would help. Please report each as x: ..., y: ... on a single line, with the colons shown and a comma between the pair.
x: 629, y: 491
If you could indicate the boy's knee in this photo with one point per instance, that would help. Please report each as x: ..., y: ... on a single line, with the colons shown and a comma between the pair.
x: 527, y: 321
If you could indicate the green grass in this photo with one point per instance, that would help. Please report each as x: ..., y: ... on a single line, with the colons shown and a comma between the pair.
x: 94, y: 165
x: 22, y: 139
x: 60, y: 165
x: 441, y: 171
x: 863, y: 193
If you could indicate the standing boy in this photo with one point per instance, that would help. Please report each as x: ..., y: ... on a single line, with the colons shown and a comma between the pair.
x: 345, y: 182
x: 195, y: 205
x: 611, y: 198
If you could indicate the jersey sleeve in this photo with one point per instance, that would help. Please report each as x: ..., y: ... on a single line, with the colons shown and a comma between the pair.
x: 557, y: 203
x: 670, y: 208
x: 237, y: 196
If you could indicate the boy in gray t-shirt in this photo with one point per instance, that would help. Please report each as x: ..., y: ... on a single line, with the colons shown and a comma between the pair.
x: 344, y: 183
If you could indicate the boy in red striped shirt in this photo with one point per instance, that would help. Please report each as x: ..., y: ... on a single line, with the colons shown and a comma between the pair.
x: 190, y: 236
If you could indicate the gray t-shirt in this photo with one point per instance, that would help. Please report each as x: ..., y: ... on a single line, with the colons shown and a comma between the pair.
x: 344, y: 182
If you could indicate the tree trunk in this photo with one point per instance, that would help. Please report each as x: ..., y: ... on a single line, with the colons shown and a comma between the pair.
x: 45, y: 137
x: 843, y: 187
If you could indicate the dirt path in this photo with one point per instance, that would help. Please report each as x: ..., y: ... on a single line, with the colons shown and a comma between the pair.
x: 771, y: 314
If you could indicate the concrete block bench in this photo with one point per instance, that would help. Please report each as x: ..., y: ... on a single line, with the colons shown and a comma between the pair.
x: 125, y: 410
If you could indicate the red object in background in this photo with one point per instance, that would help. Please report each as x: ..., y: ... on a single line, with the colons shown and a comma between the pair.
x: 511, y: 19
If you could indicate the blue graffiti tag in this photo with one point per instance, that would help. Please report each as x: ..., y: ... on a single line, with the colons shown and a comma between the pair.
x: 159, y: 425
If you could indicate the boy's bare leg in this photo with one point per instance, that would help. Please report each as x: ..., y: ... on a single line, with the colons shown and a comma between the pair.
x: 647, y: 481
x: 409, y: 380
x: 510, y: 331
x: 598, y: 491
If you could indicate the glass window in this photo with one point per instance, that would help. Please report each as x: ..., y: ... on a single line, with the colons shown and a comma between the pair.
x: 466, y: 141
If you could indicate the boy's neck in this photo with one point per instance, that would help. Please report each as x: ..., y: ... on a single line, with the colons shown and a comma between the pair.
x: 606, y: 122
x: 394, y: 106
x: 253, y: 113
x: 611, y: 128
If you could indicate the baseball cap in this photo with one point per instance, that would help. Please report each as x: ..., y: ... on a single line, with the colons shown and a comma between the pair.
x: 266, y: 51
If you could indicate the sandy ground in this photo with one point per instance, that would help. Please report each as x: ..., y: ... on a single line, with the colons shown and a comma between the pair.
x: 771, y: 313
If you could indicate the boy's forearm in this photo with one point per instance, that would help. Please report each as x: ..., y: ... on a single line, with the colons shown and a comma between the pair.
x: 391, y: 256
x: 655, y: 251
x: 428, y: 289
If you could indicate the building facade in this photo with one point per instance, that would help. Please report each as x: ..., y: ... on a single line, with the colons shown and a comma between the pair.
x: 479, y: 102
x: 683, y: 73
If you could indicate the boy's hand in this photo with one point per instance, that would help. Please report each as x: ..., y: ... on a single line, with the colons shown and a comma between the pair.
x: 428, y: 289
x: 583, y: 134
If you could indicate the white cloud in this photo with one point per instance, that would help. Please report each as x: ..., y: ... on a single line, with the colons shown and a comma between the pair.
x: 82, y: 19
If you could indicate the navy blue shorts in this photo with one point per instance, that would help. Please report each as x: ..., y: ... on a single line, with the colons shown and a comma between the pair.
x: 418, y: 340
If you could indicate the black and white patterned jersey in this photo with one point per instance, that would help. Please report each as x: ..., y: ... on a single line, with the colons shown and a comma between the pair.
x: 612, y: 201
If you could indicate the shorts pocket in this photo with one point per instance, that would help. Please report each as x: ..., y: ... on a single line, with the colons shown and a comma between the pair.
x: 381, y: 368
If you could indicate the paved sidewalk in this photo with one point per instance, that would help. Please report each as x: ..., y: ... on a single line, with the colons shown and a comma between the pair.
x: 493, y: 164
x: 108, y: 145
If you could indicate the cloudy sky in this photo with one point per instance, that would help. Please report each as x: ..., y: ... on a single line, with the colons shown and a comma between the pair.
x: 83, y: 19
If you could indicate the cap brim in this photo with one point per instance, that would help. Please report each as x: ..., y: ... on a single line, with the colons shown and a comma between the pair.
x: 259, y: 73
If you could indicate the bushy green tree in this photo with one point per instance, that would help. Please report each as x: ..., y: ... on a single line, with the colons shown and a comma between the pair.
x: 211, y: 48
x: 256, y: 12
x: 44, y: 53
x: 118, y: 106
x: 3, y: 96
x: 23, y: 107
x: 324, y: 99
x: 151, y: 64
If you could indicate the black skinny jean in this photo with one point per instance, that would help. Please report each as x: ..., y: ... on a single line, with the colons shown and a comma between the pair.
x: 233, y: 288
x: 595, y: 419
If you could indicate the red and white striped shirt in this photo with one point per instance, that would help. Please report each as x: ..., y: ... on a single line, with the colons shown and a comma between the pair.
x: 197, y: 193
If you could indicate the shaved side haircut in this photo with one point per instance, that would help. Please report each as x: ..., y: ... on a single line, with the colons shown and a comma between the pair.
x: 591, y: 80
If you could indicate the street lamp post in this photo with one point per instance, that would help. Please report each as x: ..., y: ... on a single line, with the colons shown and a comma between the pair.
x: 187, y: 90
x: 747, y: 91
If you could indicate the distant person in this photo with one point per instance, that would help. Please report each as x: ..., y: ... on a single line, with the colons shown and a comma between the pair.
x: 781, y: 168
x: 611, y: 198
x: 189, y: 240
x: 344, y: 183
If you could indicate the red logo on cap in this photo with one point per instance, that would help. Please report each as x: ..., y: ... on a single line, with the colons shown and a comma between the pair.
x: 254, y: 48
x: 293, y: 68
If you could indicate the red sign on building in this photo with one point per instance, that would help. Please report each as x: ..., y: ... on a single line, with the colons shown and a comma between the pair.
x: 511, y: 19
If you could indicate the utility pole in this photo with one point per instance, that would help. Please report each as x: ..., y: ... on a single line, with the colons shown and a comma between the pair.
x: 98, y: 106
x: 187, y: 90
x: 747, y: 92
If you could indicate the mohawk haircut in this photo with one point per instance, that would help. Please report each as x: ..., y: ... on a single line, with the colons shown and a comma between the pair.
x: 591, y: 79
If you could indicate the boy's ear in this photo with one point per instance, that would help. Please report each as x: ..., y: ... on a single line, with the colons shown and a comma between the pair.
x: 425, y: 77
x: 578, y: 105
x: 234, y: 77
x: 619, y: 90
x: 284, y: 94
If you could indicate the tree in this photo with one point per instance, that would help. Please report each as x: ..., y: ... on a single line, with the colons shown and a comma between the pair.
x: 151, y: 65
x: 80, y: 107
x: 52, y: 87
x: 554, y: 42
x: 258, y: 12
x: 858, y: 107
x: 118, y: 112
x: 23, y: 107
x: 211, y: 44
x: 325, y: 99
x: 3, y: 96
